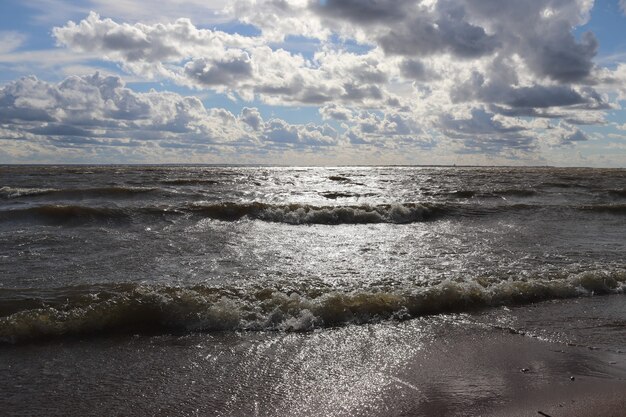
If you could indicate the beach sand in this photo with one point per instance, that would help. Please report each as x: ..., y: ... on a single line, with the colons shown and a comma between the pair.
x: 447, y: 365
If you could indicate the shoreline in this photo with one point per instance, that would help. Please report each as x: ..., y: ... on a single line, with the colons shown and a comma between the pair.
x: 446, y: 365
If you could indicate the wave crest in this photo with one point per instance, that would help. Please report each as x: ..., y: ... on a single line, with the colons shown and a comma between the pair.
x: 307, y: 214
x: 133, y: 308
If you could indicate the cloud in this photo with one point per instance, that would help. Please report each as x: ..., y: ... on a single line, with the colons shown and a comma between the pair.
x: 444, y: 31
x: 538, y: 31
x: 251, y: 117
x: 212, y: 59
x: 335, y: 112
x: 229, y: 70
x: 489, y: 39
x: 385, y: 130
x: 564, y: 134
x: 373, y: 11
x: 10, y: 41
x: 101, y: 110
x: 414, y: 69
x: 475, y: 76
x: 576, y: 136
x: 483, y: 132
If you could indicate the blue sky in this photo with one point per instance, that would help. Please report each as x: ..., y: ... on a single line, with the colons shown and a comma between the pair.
x: 536, y: 82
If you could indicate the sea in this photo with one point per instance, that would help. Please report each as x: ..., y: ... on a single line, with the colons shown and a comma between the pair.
x: 246, y: 276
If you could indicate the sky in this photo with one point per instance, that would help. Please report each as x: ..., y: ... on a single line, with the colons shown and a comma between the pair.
x: 314, y: 82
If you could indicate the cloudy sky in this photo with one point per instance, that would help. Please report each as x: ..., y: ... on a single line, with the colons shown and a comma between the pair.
x: 517, y: 82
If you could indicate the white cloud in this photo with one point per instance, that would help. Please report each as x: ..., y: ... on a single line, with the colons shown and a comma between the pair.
x: 99, y: 110
x: 477, y: 76
x: 10, y: 41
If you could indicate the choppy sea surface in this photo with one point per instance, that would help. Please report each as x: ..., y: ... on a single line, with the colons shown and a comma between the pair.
x: 98, y: 250
x: 277, y: 291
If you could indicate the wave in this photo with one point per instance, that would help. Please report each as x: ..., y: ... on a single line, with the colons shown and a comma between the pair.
x: 333, y: 195
x: 133, y: 308
x: 98, y: 192
x: 605, y: 208
x: 344, y: 180
x: 79, y: 215
x: 294, y: 214
x: 189, y: 181
x: 61, y: 214
x: 15, y: 192
x: 339, y: 178
x: 620, y: 192
x: 462, y: 194
x: 308, y: 214
x: 516, y: 192
x: 512, y: 192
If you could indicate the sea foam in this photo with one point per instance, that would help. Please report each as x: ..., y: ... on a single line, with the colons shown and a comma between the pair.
x: 133, y: 308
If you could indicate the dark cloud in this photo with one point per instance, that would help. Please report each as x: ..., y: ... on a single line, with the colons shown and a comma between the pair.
x: 483, y: 134
x: 560, y: 57
x: 480, y: 123
x: 540, y: 33
x: 227, y: 72
x: 363, y: 11
x: 524, y: 112
x: 413, y: 69
x: 251, y: 117
x: 539, y: 96
x: 527, y: 100
x: 572, y: 137
x: 448, y: 33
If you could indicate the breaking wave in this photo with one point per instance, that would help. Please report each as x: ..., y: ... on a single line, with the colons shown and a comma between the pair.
x: 133, y: 308
x: 288, y: 213
x: 307, y: 214
x: 295, y: 214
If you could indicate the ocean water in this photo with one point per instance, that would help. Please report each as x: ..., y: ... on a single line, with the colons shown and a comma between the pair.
x: 150, y: 250
x: 276, y: 291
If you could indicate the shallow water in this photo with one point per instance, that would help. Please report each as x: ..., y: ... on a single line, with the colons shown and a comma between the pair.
x: 446, y: 365
x: 177, y: 249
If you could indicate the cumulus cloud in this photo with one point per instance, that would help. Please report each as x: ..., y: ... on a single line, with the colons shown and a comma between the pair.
x: 335, y: 112
x: 213, y: 59
x: 483, y: 132
x: 101, y: 110
x: 478, y: 75
x: 229, y: 70
x: 388, y: 129
x: 564, y: 134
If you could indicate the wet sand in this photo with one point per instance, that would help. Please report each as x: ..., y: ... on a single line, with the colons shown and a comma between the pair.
x: 447, y: 365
